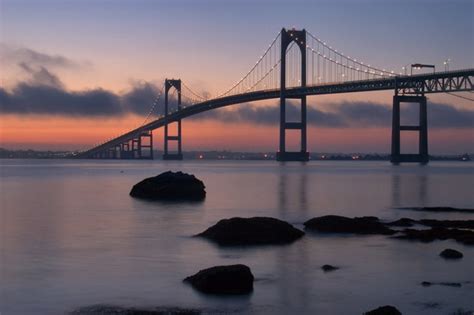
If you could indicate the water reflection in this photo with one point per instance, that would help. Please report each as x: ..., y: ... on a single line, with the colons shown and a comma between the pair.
x: 292, y: 198
x: 410, y: 189
x: 292, y: 191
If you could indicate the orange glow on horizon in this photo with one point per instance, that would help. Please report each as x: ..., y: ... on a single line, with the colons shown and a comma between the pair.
x: 57, y: 133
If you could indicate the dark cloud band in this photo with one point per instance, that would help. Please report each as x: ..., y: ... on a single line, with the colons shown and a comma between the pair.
x: 53, y: 100
x: 45, y: 94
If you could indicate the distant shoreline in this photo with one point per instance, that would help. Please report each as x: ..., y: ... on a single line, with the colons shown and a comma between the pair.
x: 234, y: 156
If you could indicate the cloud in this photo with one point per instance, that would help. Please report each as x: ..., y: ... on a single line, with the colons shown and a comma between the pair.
x: 41, y: 76
x: 367, y: 114
x: 345, y: 114
x: 33, y: 58
x: 270, y: 115
x: 446, y: 116
x: 140, y: 98
x: 50, y: 98
x: 44, y: 93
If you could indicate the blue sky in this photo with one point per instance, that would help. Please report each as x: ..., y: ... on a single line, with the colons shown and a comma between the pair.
x: 185, y: 36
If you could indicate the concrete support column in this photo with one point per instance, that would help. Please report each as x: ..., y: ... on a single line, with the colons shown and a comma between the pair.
x: 421, y: 128
x: 423, y: 135
x: 395, y: 156
x: 171, y: 83
x: 287, y: 37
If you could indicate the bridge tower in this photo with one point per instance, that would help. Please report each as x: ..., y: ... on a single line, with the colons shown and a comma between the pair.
x: 422, y: 128
x: 169, y: 84
x: 287, y: 37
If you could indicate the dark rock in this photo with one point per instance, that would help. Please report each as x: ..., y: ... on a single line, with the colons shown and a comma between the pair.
x: 233, y: 279
x: 429, y: 305
x: 451, y: 254
x: 252, y: 231
x: 405, y: 222
x: 448, y: 284
x: 118, y: 310
x: 462, y: 236
x: 439, y: 209
x: 451, y: 284
x: 460, y: 224
x: 384, y: 310
x: 340, y: 224
x: 461, y: 311
x: 328, y: 268
x: 170, y: 186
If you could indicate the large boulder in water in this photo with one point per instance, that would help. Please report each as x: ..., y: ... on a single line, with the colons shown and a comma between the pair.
x: 328, y: 268
x: 450, y: 253
x: 170, y: 186
x: 252, y: 231
x: 384, y: 310
x: 233, y: 279
x: 340, y: 224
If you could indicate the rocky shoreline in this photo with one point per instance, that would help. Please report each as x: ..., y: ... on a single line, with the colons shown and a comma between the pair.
x: 261, y: 231
x: 121, y: 310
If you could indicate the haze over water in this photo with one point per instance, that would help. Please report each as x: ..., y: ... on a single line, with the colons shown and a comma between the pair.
x: 71, y: 236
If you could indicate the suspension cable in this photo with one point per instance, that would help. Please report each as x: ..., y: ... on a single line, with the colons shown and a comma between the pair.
x: 355, y: 61
x: 251, y: 70
x: 461, y: 96
x: 193, y: 92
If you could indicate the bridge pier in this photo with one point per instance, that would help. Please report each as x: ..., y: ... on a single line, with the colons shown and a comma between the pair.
x: 422, y: 129
x: 136, y: 148
x: 125, y: 152
x: 170, y: 83
x: 287, y: 37
x: 147, y: 145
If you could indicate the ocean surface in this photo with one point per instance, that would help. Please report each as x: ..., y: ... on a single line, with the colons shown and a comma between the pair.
x: 71, y: 236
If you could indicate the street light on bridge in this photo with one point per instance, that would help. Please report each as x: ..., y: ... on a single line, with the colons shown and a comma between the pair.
x: 420, y: 65
x: 404, y: 68
x: 446, y: 64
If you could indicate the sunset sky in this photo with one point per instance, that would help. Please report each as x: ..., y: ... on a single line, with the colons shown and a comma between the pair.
x: 74, y: 73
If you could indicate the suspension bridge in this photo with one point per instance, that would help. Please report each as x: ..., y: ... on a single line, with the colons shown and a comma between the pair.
x: 295, y: 65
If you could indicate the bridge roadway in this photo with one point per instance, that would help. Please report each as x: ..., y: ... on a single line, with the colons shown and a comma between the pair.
x: 439, y: 82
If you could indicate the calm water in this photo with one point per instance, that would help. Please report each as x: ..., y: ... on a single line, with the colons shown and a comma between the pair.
x: 71, y: 236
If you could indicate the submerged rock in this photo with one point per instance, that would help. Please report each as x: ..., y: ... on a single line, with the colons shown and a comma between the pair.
x: 328, y: 268
x: 404, y: 222
x: 461, y: 311
x: 340, y: 224
x: 119, y: 310
x: 447, y: 284
x: 451, y: 254
x: 461, y: 224
x: 384, y: 310
x: 252, y: 231
x: 439, y: 209
x: 233, y: 279
x: 462, y: 236
x: 407, y: 222
x: 170, y: 186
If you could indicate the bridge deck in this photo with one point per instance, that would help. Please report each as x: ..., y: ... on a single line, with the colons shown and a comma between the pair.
x: 449, y: 81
